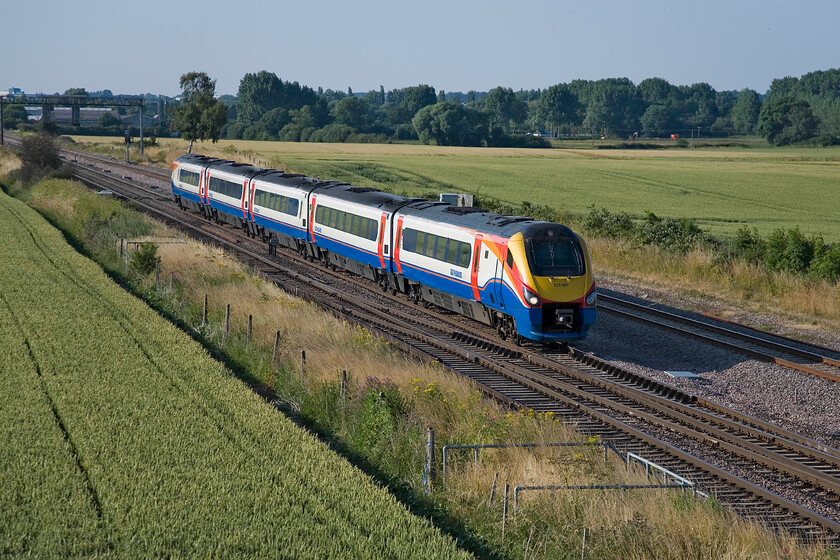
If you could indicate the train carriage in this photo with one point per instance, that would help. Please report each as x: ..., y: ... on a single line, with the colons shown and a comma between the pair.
x: 278, y: 203
x: 226, y: 189
x: 524, y: 277
x: 188, y: 181
x: 352, y: 228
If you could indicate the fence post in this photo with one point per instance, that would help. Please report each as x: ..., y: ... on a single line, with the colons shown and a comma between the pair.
x: 157, y: 274
x: 302, y: 361
x: 504, y: 510
x: 583, y: 546
x: 275, y: 353
x: 343, y: 388
x: 430, y: 456
x: 204, y: 314
x: 227, y: 320
x: 250, y: 328
x: 493, y: 489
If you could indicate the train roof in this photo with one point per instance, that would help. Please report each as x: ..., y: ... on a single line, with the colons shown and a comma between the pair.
x: 244, y: 169
x: 293, y: 180
x: 473, y: 218
x: 369, y: 197
x: 198, y: 159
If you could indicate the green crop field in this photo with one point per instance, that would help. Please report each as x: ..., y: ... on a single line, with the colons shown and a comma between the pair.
x: 121, y: 438
x: 721, y: 188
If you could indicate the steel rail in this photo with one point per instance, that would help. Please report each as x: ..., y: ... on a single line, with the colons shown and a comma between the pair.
x: 717, y: 332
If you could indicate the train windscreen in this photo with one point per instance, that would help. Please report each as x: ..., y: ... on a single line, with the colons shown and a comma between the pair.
x: 551, y: 252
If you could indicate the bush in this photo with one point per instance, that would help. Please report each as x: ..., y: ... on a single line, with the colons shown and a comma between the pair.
x: 827, y: 139
x: 332, y: 133
x: 144, y: 261
x: 789, y: 251
x: 748, y: 245
x: 600, y: 221
x: 39, y: 157
x: 826, y: 263
x: 677, y: 235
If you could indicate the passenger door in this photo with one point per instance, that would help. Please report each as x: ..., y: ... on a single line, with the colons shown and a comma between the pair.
x: 499, y: 285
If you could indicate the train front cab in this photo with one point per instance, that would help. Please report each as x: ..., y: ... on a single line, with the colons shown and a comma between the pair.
x: 558, y: 288
x: 187, y: 174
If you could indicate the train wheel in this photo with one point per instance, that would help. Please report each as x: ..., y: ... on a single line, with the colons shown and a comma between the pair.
x: 507, y: 329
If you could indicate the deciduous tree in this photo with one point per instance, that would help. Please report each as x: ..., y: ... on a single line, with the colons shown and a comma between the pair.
x: 785, y: 120
x: 450, y: 124
x: 745, y: 112
x: 200, y: 116
x: 264, y: 91
x: 503, y: 108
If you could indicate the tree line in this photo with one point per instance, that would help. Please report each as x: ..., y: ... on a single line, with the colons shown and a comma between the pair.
x: 268, y: 108
x: 794, y: 110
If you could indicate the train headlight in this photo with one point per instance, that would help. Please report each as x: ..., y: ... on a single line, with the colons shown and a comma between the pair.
x: 531, y: 298
x: 592, y: 298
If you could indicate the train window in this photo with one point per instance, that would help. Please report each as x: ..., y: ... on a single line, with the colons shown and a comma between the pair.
x: 431, y: 240
x: 452, y: 251
x: 227, y: 188
x: 464, y: 259
x: 339, y: 219
x: 509, y: 259
x: 188, y: 177
x: 371, y: 233
x: 440, y: 252
x: 550, y: 254
x: 421, y: 242
x: 409, y: 240
x: 437, y: 247
x: 276, y: 202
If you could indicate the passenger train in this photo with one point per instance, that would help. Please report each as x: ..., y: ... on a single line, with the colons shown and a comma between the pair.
x: 526, y: 278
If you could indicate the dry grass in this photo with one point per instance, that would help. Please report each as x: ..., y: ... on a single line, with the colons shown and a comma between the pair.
x: 643, y: 524
x: 8, y: 161
x: 813, y: 303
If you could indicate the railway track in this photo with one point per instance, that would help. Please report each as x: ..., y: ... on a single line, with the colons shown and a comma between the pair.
x: 742, y: 461
x: 814, y: 360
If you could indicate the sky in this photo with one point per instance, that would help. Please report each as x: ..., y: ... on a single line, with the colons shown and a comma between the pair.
x: 454, y: 45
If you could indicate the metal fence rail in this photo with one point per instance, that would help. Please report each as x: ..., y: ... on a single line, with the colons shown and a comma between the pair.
x: 623, y: 487
x: 476, y: 447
